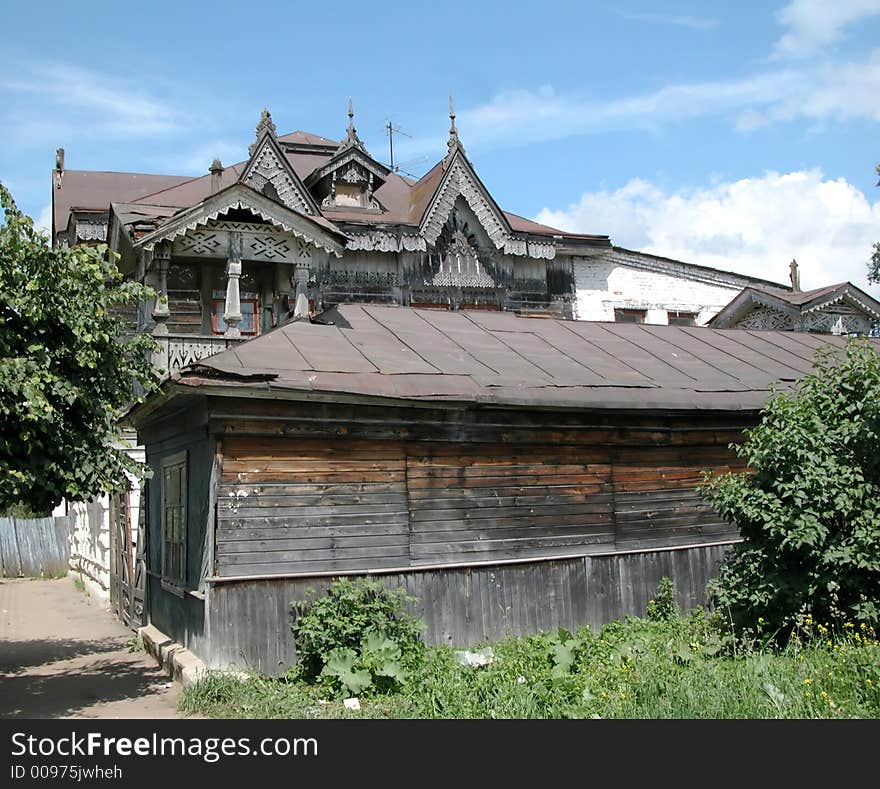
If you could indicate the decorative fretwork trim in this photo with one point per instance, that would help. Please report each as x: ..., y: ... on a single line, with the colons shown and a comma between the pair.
x: 384, y: 241
x: 259, y: 205
x: 461, y: 181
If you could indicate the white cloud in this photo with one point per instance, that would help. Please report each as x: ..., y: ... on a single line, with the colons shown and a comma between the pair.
x: 752, y: 226
x: 832, y: 92
x: 683, y: 20
x: 815, y: 24
x: 43, y: 222
x: 64, y: 98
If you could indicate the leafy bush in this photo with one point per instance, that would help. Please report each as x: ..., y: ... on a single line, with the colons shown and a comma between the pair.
x: 809, y: 509
x: 663, y: 608
x: 358, y: 637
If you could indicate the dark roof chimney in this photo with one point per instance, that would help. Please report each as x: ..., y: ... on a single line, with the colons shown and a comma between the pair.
x: 216, y: 170
x: 795, y: 276
x: 59, y: 166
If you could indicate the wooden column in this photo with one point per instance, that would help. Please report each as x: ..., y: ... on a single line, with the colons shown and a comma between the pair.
x: 301, y: 281
x: 232, y: 314
x: 161, y: 313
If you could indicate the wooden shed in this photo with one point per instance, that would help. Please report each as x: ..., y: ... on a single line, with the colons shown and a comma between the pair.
x: 514, y: 474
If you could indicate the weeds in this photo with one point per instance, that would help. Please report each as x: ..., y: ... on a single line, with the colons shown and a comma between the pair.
x: 681, y: 667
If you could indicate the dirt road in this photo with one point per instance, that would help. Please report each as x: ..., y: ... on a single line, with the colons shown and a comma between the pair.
x: 64, y: 655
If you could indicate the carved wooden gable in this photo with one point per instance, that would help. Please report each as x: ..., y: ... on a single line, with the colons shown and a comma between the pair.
x: 348, y: 180
x: 461, y: 182
x: 463, y: 254
x: 269, y: 173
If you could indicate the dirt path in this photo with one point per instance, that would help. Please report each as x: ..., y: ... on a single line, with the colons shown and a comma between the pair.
x: 64, y: 655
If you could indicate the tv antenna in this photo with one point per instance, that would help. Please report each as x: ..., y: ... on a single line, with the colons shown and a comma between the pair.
x: 391, y: 129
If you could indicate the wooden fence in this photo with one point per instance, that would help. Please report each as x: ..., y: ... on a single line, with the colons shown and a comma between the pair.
x: 34, y: 547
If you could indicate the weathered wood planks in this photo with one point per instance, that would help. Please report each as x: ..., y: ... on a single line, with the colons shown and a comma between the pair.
x: 287, y: 506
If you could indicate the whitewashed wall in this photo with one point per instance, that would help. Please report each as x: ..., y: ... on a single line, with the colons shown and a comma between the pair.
x: 624, y: 279
x: 90, y: 534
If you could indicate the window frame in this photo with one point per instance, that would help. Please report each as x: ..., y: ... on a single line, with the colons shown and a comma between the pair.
x: 636, y: 311
x: 688, y: 314
x: 174, y: 583
x: 218, y: 305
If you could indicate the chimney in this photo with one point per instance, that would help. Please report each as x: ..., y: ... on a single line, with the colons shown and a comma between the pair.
x: 216, y: 170
x: 795, y: 276
x: 59, y: 166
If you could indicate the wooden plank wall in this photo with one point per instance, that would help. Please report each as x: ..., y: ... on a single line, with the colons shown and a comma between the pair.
x: 296, y: 506
x: 293, y: 506
x: 464, y: 606
x: 487, y: 502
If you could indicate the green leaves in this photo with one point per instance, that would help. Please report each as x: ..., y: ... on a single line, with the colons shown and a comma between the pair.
x: 358, y: 631
x: 341, y: 664
x: 65, y: 373
x: 809, y: 509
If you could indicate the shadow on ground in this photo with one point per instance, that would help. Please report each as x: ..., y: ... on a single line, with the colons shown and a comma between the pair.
x: 18, y: 655
x: 63, y: 693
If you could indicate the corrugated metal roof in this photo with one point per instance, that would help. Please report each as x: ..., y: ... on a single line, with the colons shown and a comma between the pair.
x: 502, y: 359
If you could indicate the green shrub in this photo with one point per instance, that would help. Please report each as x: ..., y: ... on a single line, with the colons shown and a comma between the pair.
x: 809, y: 509
x: 356, y: 638
x: 663, y: 608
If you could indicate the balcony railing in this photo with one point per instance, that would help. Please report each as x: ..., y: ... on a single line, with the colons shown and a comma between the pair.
x: 179, y: 350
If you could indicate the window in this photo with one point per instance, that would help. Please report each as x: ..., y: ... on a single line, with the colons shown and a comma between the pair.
x: 678, y: 318
x: 629, y: 316
x: 250, y: 314
x: 173, y: 511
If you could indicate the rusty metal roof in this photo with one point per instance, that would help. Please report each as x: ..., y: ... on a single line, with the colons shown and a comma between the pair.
x: 93, y: 190
x: 402, y: 201
x: 501, y: 359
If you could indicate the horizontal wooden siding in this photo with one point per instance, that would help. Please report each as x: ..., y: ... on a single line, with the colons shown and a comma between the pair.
x: 289, y: 506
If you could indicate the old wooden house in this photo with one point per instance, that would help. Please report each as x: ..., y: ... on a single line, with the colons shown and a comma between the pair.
x: 305, y: 223
x: 513, y: 473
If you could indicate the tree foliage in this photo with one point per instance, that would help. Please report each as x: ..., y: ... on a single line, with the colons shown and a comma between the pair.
x: 809, y: 506
x: 65, y: 372
x: 874, y: 263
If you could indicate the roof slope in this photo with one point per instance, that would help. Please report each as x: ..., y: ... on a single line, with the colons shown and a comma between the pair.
x: 501, y: 359
x: 403, y: 202
x: 93, y: 190
x: 794, y: 301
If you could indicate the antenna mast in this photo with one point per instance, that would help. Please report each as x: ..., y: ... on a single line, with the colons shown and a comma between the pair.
x: 391, y: 131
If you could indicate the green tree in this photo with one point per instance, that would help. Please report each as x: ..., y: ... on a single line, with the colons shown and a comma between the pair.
x: 65, y: 371
x: 874, y: 263
x: 809, y: 506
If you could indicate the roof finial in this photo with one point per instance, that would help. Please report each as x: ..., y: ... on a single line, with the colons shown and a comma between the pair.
x: 454, y: 143
x: 351, y: 138
x: 795, y: 276
x: 264, y: 126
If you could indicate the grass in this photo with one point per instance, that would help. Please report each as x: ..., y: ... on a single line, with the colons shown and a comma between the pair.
x: 681, y: 667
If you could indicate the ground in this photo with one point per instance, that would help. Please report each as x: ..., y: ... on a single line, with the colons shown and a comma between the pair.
x: 64, y: 655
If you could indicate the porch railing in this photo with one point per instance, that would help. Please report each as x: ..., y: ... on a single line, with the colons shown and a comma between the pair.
x: 178, y: 350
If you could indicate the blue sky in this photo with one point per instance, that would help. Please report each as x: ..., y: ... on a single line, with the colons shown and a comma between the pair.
x: 734, y: 135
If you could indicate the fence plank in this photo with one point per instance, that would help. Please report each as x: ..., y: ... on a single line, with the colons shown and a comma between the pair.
x: 10, y: 561
x: 34, y: 547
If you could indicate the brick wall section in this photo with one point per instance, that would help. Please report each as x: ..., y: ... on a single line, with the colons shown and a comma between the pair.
x: 620, y: 278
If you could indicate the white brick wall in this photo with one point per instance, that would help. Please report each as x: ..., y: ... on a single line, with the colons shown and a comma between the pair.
x: 619, y: 280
